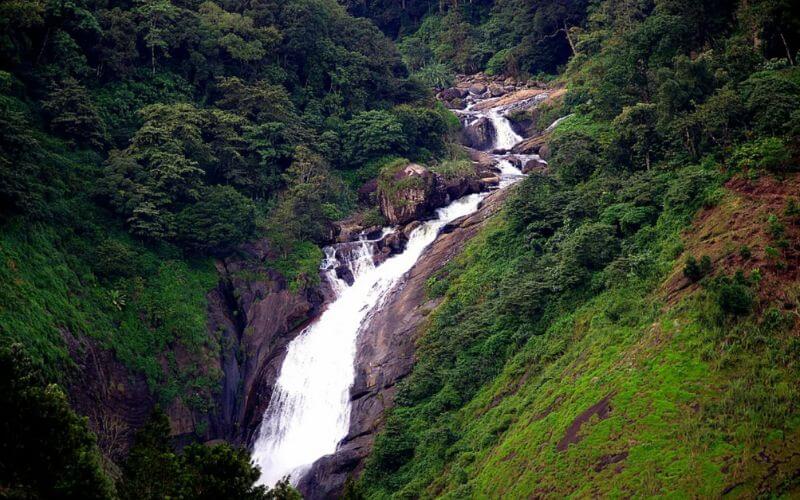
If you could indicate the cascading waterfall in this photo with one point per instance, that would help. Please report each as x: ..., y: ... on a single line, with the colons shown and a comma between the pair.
x: 310, y: 409
x: 505, y: 137
x: 309, y: 413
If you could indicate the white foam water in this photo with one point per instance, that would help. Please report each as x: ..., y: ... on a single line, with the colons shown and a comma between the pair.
x: 309, y: 413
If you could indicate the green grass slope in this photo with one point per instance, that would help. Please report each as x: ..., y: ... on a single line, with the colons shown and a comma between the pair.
x: 636, y: 381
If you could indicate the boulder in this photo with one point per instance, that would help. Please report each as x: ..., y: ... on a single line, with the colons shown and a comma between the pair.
x: 496, y: 90
x: 366, y: 193
x: 514, y: 160
x: 456, y: 104
x: 345, y: 274
x: 544, y: 151
x: 477, y: 89
x: 534, y: 165
x: 410, y: 227
x: 405, y: 194
x: 452, y: 93
x: 479, y: 134
x: 530, y: 146
x: 511, y: 81
x: 485, y: 164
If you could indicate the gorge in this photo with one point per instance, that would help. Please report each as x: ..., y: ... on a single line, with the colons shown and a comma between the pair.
x: 310, y: 411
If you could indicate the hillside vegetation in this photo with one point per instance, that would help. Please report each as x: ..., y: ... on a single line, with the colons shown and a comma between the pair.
x: 628, y: 325
x: 139, y: 141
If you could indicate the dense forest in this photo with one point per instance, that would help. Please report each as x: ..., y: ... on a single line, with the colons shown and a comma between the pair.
x: 650, y: 275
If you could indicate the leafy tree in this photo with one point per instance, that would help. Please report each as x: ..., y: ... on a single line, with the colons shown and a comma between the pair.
x: 575, y: 156
x: 373, y: 134
x: 22, y: 171
x: 152, y: 469
x: 74, y: 115
x: 218, y: 222
x: 309, y: 205
x: 47, y: 451
x: 157, y: 19
x: 636, y: 139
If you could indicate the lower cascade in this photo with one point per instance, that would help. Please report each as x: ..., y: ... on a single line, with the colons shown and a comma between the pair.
x: 310, y: 409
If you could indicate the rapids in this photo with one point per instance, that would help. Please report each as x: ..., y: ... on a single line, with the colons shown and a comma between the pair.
x: 309, y: 411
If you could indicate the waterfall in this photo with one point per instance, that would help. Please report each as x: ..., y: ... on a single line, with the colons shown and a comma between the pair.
x: 310, y: 409
x: 505, y: 137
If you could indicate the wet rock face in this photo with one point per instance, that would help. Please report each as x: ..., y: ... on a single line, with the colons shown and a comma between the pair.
x: 479, y: 134
x: 256, y: 316
x: 386, y: 355
x: 534, y: 165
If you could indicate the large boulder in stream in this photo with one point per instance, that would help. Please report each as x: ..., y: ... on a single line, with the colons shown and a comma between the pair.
x: 404, y: 193
x: 479, y: 134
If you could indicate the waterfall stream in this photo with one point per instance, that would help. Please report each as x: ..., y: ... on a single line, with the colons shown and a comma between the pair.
x: 309, y: 412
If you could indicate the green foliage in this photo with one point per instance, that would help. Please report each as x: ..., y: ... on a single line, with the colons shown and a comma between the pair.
x: 769, y: 153
x: 221, y: 220
x: 48, y: 451
x: 371, y: 135
x: 733, y: 294
x: 299, y: 265
x: 575, y: 156
x: 73, y: 115
x: 695, y: 270
x: 154, y: 470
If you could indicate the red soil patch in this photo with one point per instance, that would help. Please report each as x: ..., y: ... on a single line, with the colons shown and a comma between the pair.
x: 607, y: 460
x: 741, y: 220
x: 602, y: 409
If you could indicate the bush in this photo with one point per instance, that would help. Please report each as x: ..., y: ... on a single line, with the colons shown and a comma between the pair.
x: 47, y: 450
x: 770, y: 153
x: 770, y: 100
x: 497, y: 63
x: 114, y: 259
x: 695, y: 270
x: 734, y: 295
x: 373, y: 134
x: 575, y: 156
x: 218, y: 222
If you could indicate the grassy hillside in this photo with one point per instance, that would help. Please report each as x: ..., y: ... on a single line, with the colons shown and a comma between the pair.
x: 641, y: 390
x: 628, y: 325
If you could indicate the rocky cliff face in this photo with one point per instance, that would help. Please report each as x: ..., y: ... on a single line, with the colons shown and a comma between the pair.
x: 256, y: 316
x: 386, y: 354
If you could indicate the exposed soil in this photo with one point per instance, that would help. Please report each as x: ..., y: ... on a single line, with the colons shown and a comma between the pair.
x: 741, y: 220
x: 607, y: 460
x: 602, y: 409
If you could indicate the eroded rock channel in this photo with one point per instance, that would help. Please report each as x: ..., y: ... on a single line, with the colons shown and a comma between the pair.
x: 323, y: 392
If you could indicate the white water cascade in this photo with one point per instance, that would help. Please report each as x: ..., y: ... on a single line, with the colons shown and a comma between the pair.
x: 310, y: 409
x: 505, y: 137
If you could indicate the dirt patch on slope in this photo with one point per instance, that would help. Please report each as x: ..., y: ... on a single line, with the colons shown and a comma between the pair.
x: 602, y: 409
x: 741, y: 221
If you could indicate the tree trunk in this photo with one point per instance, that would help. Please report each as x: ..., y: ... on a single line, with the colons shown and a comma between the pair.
x: 788, y: 51
x: 569, y: 40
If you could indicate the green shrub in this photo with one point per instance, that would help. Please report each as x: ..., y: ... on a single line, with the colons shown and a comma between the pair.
x: 497, y: 63
x: 695, y: 270
x: 734, y: 295
x: 576, y: 155
x: 770, y: 153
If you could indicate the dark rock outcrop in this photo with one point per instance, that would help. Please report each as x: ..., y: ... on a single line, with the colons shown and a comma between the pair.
x: 405, y: 196
x: 116, y: 400
x: 256, y: 316
x: 386, y: 354
x: 413, y: 193
x: 479, y: 134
